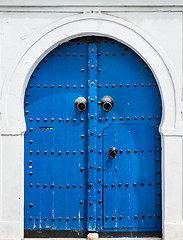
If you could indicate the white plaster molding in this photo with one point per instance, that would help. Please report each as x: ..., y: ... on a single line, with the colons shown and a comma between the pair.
x: 100, y: 5
x: 83, y: 25
x: 136, y: 3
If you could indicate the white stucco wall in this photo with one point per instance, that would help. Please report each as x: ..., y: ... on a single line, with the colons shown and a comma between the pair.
x: 30, y: 29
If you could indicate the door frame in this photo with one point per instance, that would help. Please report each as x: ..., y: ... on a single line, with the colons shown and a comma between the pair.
x: 14, y: 127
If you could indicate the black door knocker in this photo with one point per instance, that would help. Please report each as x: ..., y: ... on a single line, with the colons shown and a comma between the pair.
x: 113, y: 152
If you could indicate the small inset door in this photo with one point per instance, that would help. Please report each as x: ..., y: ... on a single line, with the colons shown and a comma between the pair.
x: 129, y: 186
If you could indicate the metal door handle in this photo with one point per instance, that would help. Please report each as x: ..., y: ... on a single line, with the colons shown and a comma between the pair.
x: 107, y: 103
x: 81, y: 104
x: 113, y: 152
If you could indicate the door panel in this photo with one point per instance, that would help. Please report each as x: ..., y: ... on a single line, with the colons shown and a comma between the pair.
x: 129, y: 178
x: 123, y: 76
x: 56, y: 141
x: 67, y: 163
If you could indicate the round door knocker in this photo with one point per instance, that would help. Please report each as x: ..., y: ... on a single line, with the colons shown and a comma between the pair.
x: 113, y: 152
x: 81, y: 104
x: 107, y: 103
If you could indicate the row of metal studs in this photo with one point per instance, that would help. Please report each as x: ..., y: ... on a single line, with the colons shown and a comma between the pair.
x: 60, y: 152
x: 99, y: 181
x: 52, y: 86
x: 99, y: 218
x: 99, y: 86
x: 158, y: 171
x: 74, y: 119
x: 91, y: 150
x: 60, y: 119
x: 100, y: 119
x: 128, y: 85
x: 99, y: 54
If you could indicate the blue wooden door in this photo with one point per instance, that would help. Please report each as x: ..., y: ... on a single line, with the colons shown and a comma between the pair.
x: 73, y: 181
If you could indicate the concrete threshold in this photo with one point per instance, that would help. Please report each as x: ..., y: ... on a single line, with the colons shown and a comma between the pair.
x: 150, y: 238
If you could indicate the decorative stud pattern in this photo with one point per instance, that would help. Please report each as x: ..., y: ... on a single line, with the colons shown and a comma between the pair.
x: 65, y: 150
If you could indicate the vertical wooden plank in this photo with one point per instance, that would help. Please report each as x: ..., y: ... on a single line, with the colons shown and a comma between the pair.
x: 92, y: 138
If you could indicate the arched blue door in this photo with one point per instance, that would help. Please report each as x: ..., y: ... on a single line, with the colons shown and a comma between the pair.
x: 94, y: 165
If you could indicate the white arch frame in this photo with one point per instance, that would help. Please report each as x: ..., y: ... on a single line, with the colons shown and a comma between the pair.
x: 98, y: 24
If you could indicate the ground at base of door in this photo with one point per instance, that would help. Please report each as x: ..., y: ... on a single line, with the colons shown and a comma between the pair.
x: 99, y: 238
